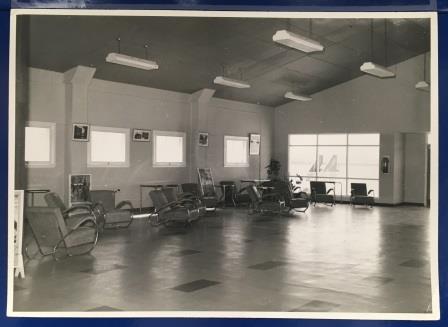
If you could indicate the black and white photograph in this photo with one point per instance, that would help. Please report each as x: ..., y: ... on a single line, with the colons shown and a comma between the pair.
x: 140, y: 135
x: 203, y: 139
x: 332, y: 215
x: 80, y: 132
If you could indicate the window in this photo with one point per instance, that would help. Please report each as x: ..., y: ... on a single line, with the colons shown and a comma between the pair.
x: 169, y: 149
x: 108, y: 147
x: 40, y: 144
x: 236, y: 152
x: 341, y: 158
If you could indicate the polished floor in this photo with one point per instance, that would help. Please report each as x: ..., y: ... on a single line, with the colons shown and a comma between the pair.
x: 337, y: 259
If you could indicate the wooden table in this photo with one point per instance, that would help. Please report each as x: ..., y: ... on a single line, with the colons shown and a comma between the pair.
x: 35, y: 191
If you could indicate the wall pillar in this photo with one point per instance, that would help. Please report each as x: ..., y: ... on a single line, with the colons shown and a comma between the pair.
x: 77, y: 82
x: 199, y: 102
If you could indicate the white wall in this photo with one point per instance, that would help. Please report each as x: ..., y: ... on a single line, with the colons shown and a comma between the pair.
x: 367, y: 104
x: 122, y: 105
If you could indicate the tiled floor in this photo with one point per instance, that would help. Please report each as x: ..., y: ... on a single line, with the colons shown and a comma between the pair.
x: 330, y: 259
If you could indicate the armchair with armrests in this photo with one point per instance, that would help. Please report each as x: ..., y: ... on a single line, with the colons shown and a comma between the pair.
x: 320, y: 194
x: 53, y: 200
x: 184, y: 198
x: 293, y: 201
x: 53, y: 233
x: 113, y: 215
x: 166, y: 212
x: 269, y: 202
x: 360, y: 196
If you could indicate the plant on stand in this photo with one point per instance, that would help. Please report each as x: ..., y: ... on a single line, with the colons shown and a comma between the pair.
x: 273, y: 169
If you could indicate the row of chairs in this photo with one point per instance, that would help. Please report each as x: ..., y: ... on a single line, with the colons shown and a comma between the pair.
x: 61, y: 231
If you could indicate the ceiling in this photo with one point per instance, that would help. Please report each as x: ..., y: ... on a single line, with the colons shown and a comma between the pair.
x: 192, y: 51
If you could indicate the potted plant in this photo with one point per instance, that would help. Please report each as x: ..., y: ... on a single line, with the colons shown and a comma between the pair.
x: 273, y: 169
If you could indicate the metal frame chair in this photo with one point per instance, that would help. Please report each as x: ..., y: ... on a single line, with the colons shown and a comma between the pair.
x: 113, y: 216
x: 52, y: 232
x: 267, y: 203
x: 294, y: 202
x: 166, y: 212
x: 320, y: 194
x: 53, y: 200
x: 186, y: 199
x: 360, y: 196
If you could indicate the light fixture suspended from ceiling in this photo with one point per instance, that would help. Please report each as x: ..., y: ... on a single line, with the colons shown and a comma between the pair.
x: 226, y: 81
x: 231, y: 82
x: 121, y: 59
x: 297, y: 41
x: 423, y: 85
x: 298, y: 97
x: 372, y: 68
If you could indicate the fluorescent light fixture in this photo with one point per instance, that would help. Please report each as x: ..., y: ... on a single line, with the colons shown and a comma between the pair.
x: 376, y: 70
x: 121, y: 59
x: 422, y: 85
x: 296, y: 41
x: 293, y: 96
x: 231, y: 82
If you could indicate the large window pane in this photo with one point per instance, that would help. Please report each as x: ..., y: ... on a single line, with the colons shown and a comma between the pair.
x: 169, y: 149
x: 107, y: 147
x: 302, y: 160
x: 363, y: 161
x: 372, y: 184
x: 364, y: 139
x: 236, y: 151
x: 331, y: 161
x: 302, y: 139
x: 332, y: 139
x: 37, y: 144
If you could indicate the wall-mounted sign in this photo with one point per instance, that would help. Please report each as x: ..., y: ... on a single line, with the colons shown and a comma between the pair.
x: 254, y: 144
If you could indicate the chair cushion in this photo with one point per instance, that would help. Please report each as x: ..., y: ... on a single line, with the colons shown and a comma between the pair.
x: 117, y: 216
x: 367, y: 200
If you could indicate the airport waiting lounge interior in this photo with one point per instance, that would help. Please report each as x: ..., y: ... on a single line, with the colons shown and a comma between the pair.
x: 225, y: 164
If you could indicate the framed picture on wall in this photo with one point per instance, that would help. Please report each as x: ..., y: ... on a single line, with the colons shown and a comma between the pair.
x: 80, y: 132
x: 203, y: 139
x: 254, y: 144
x: 79, y: 188
x: 140, y: 135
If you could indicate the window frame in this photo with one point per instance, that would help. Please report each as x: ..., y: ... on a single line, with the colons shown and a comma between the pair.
x: 236, y: 138
x: 347, y: 146
x: 43, y: 164
x: 104, y: 164
x: 157, y: 164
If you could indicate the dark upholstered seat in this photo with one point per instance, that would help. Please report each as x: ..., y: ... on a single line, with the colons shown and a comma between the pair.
x: 360, y: 196
x: 284, y: 189
x: 271, y: 202
x: 113, y: 215
x: 53, y: 200
x: 57, y: 236
x: 320, y: 194
x: 166, y: 212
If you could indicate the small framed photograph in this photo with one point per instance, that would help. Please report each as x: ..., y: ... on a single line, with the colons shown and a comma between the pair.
x: 254, y: 146
x: 203, y: 139
x: 140, y: 135
x: 80, y: 132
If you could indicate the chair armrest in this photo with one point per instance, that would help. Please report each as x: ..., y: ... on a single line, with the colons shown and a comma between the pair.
x: 80, y: 221
x: 371, y: 191
x: 124, y: 203
x: 331, y: 190
x: 80, y: 207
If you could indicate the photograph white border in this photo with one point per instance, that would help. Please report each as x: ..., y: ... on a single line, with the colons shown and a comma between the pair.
x: 433, y: 225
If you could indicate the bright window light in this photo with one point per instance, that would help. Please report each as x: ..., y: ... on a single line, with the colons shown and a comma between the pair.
x: 236, y: 152
x: 341, y: 158
x: 39, y: 144
x: 169, y: 149
x: 108, y: 147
